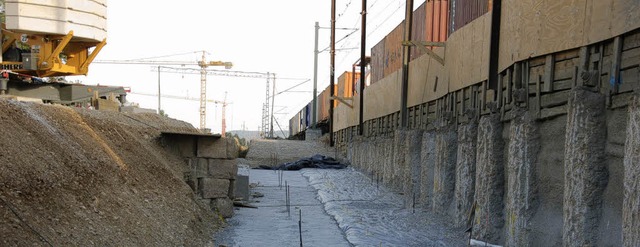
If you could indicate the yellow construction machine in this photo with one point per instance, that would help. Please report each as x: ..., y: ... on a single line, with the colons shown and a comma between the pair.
x: 57, y: 38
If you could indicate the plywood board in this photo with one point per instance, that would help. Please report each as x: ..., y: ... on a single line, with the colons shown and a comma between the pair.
x: 423, y: 74
x: 467, y: 57
x: 532, y: 28
x: 383, y: 97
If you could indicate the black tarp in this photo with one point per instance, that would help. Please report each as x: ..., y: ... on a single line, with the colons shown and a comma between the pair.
x: 317, y: 161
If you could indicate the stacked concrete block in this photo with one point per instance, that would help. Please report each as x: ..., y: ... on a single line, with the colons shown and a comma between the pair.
x: 212, y: 147
x: 488, y: 218
x: 222, y: 169
x: 233, y: 148
x: 444, y: 172
x: 631, y: 201
x: 524, y: 145
x: 212, y: 188
x: 585, y: 174
x: 211, y: 169
x: 465, y: 172
x: 427, y: 163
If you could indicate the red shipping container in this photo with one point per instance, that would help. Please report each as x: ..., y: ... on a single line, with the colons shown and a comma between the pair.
x: 465, y: 11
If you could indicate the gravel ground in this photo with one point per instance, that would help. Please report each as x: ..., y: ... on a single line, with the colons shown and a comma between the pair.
x: 77, y: 177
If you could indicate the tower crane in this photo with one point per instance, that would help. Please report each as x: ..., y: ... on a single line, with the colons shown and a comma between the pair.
x: 267, y: 109
x: 203, y: 64
x: 224, y: 104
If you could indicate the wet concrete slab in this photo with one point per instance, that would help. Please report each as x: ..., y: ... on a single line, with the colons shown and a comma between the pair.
x: 271, y: 224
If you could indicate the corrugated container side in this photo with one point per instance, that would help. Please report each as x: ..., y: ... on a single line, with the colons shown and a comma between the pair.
x: 393, y: 50
x: 377, y: 62
x: 323, y: 107
x: 419, y: 29
x: 465, y: 11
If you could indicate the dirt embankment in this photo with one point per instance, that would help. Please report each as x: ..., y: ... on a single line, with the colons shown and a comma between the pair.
x: 80, y: 177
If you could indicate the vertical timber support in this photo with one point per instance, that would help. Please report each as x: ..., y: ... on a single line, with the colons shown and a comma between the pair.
x: 363, y: 41
x: 494, y: 48
x: 488, y: 220
x: 524, y: 145
x: 332, y: 75
x: 412, y: 169
x: 631, y: 201
x: 585, y: 174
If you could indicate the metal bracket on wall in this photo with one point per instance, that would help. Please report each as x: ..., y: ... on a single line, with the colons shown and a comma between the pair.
x: 422, y: 45
x: 344, y: 100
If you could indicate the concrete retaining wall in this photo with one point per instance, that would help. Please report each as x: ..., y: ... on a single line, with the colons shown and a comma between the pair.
x: 631, y: 203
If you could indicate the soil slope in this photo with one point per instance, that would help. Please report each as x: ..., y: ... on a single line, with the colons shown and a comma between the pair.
x: 82, y: 177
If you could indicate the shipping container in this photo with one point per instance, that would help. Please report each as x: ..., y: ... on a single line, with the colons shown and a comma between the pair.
x: 418, y: 29
x: 430, y: 23
x: 393, y: 50
x: 377, y: 62
x: 465, y: 11
x: 346, y: 84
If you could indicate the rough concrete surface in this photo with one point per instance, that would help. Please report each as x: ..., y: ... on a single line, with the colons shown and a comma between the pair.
x: 399, y: 154
x: 427, y: 163
x: 444, y: 172
x: 465, y: 172
x: 211, y: 188
x: 488, y: 220
x: 585, y: 174
x: 388, y: 159
x: 613, y: 195
x: 223, y: 168
x: 631, y: 203
x: 412, y: 169
x: 523, y: 149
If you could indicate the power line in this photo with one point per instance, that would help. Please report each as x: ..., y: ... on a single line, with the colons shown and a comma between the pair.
x: 163, y: 56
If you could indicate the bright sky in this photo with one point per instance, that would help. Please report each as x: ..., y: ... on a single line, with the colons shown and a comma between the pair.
x: 263, y: 36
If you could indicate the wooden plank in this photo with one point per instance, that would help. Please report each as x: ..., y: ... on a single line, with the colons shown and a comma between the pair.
x: 509, y: 82
x: 553, y: 112
x: 631, y: 41
x: 554, y: 99
x: 564, y: 70
x: 548, y: 73
x: 630, y: 59
x: 630, y: 79
x: 563, y: 85
x: 614, y: 74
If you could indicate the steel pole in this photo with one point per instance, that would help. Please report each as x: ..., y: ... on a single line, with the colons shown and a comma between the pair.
x: 315, y: 80
x: 159, y: 108
x: 363, y: 40
x: 273, y: 103
x: 332, y: 71
x: 406, y: 57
